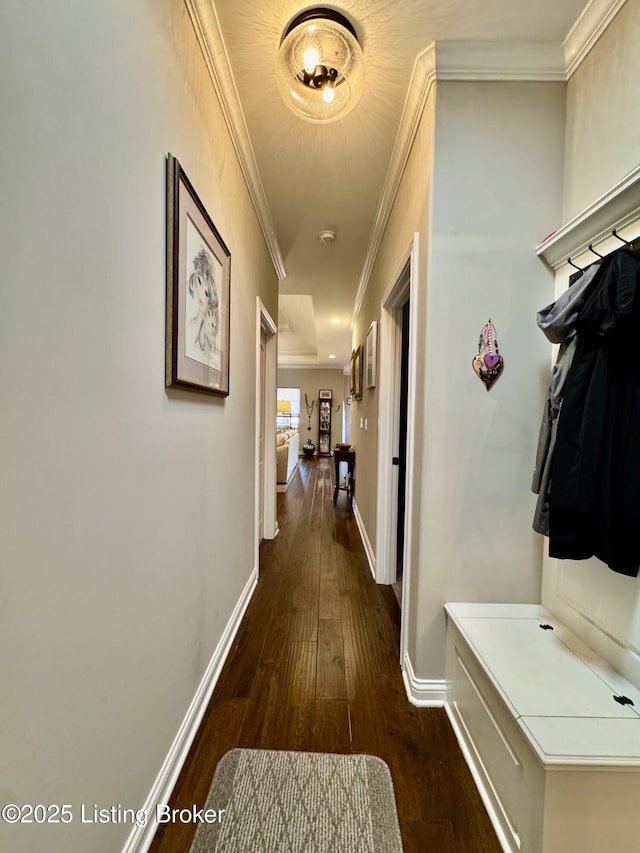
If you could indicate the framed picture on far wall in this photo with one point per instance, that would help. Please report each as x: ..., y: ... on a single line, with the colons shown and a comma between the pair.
x: 198, y: 292
x: 371, y: 357
x: 356, y: 373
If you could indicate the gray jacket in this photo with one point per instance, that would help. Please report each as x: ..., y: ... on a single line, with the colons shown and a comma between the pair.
x: 558, y: 322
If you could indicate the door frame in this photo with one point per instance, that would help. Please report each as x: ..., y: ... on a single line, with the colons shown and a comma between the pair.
x: 403, y: 286
x: 264, y: 322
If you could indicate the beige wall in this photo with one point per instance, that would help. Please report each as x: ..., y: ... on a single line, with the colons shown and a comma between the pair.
x: 603, y: 122
x: 121, y: 503
x: 310, y: 381
x: 482, y: 187
x: 410, y: 214
x: 497, y: 186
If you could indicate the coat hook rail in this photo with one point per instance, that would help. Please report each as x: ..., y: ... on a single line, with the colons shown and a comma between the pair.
x: 614, y: 233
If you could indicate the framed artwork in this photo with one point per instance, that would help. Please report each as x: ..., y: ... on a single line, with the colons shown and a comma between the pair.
x: 198, y: 292
x: 325, y: 393
x: 356, y: 373
x: 371, y: 355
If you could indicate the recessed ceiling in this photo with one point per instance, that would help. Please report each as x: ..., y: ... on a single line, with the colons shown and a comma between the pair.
x: 296, y: 330
x: 331, y: 177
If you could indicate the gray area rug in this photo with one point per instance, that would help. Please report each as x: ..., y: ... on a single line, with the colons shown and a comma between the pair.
x: 300, y: 802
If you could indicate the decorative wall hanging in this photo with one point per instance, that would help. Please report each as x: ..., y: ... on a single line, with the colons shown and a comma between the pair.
x: 356, y: 373
x: 309, y: 447
x: 371, y: 354
x: 198, y: 291
x: 310, y: 407
x: 488, y: 364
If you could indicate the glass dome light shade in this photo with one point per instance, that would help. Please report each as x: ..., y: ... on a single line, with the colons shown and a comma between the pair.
x: 340, y: 64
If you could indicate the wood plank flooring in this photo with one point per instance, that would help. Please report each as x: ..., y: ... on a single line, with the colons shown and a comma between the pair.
x: 315, y: 667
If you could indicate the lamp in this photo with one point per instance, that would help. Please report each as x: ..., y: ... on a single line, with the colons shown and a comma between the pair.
x: 320, y: 66
x: 284, y: 406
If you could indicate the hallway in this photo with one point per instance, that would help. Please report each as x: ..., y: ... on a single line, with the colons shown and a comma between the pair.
x: 315, y: 667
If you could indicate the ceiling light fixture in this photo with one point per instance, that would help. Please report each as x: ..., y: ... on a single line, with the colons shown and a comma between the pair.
x: 320, y: 66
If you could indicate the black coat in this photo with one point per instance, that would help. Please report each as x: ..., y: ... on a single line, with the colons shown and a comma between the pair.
x: 595, y: 476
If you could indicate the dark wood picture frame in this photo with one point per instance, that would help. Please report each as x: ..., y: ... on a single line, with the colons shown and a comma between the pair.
x: 198, y: 292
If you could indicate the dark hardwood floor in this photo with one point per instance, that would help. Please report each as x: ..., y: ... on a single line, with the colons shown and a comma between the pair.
x: 315, y: 667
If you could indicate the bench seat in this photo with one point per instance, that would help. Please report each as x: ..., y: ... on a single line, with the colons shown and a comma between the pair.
x: 550, y: 730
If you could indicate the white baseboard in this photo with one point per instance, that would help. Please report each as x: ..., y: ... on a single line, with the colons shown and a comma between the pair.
x: 140, y: 838
x: 423, y: 692
x: 371, y: 557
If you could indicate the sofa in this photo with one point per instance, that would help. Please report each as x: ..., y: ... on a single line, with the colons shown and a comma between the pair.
x: 287, y: 452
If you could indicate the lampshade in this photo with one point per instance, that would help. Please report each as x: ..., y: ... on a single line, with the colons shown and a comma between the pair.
x: 284, y: 406
x: 320, y: 67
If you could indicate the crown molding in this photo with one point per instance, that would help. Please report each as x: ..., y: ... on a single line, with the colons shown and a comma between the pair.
x: 586, y: 31
x: 452, y: 60
x: 422, y: 79
x: 485, y: 60
x: 207, y: 28
x: 301, y: 364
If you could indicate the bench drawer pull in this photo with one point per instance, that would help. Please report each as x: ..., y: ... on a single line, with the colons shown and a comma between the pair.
x: 547, y: 627
x: 623, y: 700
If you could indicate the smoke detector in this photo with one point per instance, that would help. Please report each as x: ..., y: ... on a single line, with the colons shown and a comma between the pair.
x: 327, y: 237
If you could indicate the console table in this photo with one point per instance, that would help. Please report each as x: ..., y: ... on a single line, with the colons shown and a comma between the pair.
x: 348, y: 456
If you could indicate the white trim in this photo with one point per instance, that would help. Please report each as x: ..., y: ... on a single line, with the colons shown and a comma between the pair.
x: 264, y: 322
x: 209, y: 34
x: 306, y: 362
x: 366, y: 543
x: 423, y: 692
x: 398, y: 291
x: 411, y: 455
x: 615, y: 209
x: 141, y: 837
x: 486, y: 60
x: 422, y: 79
x: 586, y: 31
x: 388, y: 405
x: 480, y: 777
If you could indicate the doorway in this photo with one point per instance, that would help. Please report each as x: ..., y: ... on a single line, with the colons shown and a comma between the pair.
x: 402, y: 414
x: 396, y: 435
x: 261, y: 429
x: 266, y: 525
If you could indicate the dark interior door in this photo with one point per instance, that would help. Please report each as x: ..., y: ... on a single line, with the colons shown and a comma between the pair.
x: 402, y: 434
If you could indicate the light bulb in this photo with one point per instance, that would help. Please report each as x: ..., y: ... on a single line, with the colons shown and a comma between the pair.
x: 328, y: 93
x: 311, y: 59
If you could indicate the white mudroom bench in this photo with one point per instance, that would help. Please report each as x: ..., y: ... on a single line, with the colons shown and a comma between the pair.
x: 550, y: 730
